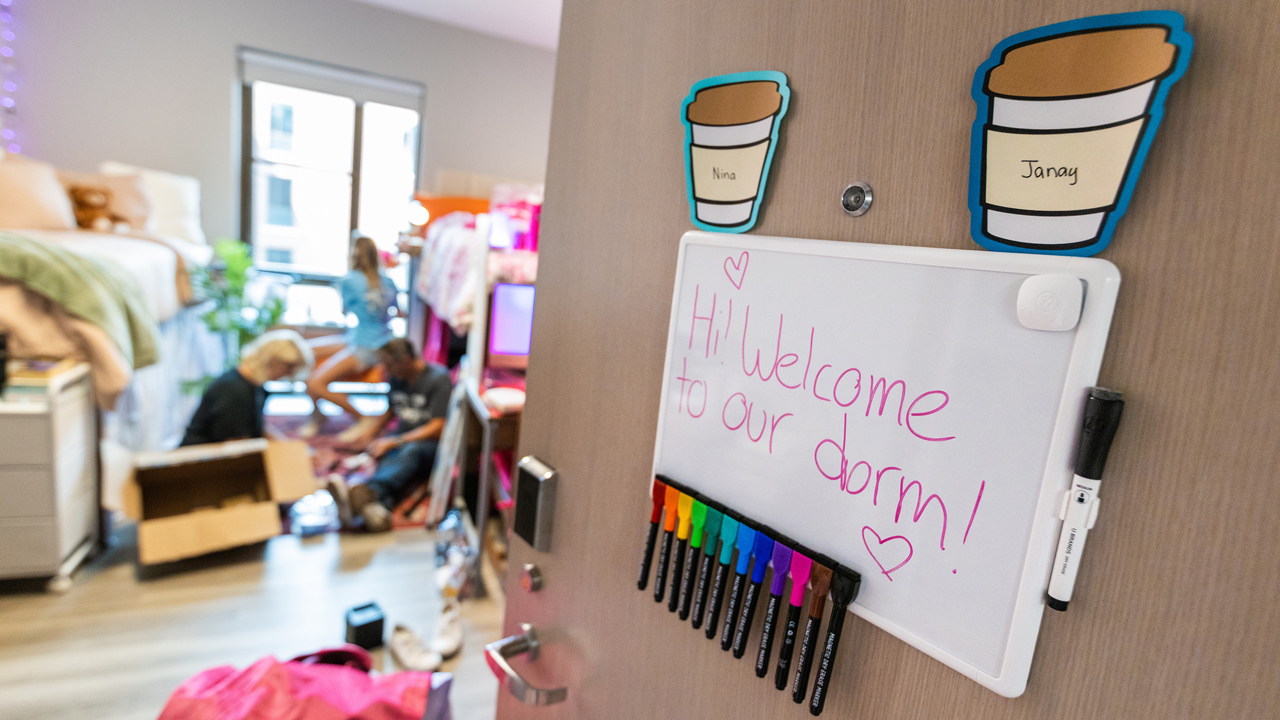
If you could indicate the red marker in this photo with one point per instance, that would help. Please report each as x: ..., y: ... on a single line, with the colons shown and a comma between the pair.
x: 655, y: 518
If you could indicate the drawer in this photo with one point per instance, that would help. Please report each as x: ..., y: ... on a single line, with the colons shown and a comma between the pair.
x: 26, y: 492
x: 28, y: 546
x: 25, y: 440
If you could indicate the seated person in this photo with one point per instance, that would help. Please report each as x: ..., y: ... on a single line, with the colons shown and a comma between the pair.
x: 231, y: 408
x: 419, y: 399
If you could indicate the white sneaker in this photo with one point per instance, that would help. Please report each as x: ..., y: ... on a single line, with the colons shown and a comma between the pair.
x: 337, y: 487
x: 410, y: 653
x: 448, y: 637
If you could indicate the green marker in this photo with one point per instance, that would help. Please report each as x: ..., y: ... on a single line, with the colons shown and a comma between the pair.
x: 728, y: 532
x: 698, y: 519
x: 712, y: 526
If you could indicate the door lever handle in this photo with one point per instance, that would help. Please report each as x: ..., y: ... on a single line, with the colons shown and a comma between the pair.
x: 526, y: 643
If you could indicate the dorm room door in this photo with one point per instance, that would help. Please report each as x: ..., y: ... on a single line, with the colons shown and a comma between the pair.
x: 1175, y: 613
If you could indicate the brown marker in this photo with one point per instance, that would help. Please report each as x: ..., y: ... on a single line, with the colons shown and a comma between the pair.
x: 820, y: 581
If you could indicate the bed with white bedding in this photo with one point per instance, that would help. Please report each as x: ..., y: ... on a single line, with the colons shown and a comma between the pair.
x: 145, y: 407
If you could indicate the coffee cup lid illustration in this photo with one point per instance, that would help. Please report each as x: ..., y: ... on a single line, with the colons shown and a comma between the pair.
x: 1066, y: 116
x: 731, y: 131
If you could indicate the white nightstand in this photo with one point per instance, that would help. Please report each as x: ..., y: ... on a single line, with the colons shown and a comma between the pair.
x: 49, y: 516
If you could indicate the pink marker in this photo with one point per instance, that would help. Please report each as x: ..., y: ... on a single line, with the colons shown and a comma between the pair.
x: 799, y: 571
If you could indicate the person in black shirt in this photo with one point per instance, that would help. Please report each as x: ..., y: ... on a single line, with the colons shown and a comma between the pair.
x: 419, y: 399
x: 231, y: 408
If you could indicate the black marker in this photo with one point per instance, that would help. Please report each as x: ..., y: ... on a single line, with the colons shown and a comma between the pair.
x: 845, y: 584
x: 820, y: 577
x: 711, y: 525
x: 800, y: 567
x: 1080, y: 504
x: 761, y: 550
x: 684, y: 516
x: 655, y: 519
x: 781, y: 563
x: 746, y: 538
x: 728, y: 532
x: 670, y: 499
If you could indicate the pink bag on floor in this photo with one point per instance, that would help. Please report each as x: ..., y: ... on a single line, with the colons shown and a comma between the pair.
x: 309, y: 688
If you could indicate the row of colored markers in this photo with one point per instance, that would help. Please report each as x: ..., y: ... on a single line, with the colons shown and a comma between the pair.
x: 688, y: 517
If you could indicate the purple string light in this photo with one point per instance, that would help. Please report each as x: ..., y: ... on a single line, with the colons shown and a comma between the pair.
x: 8, y: 103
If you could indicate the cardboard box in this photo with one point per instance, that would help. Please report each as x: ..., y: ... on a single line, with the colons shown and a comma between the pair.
x: 202, y: 498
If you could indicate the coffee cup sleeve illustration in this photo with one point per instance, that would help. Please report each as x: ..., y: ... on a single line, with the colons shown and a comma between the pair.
x: 1066, y: 116
x: 731, y: 131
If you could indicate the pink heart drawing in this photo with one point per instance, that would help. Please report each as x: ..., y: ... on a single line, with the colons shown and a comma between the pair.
x: 880, y: 544
x: 739, y: 267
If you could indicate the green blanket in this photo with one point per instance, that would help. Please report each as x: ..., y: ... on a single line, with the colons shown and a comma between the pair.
x: 91, y: 289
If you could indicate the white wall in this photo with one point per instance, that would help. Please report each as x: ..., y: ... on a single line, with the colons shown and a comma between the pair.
x: 153, y: 83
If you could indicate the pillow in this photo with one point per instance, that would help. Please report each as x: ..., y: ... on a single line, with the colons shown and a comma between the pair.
x: 174, y: 199
x: 31, y: 197
x: 126, y: 197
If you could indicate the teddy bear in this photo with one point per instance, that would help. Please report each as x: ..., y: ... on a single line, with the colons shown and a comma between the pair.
x: 92, y: 211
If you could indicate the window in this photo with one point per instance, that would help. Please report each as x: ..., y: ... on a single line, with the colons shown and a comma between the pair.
x: 327, y: 150
x: 279, y: 201
x: 281, y: 127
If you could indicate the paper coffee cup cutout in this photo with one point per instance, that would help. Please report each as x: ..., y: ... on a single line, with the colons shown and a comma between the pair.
x: 1066, y: 115
x: 731, y: 129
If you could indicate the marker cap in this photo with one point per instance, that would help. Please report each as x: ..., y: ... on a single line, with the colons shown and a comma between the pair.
x: 712, y: 526
x: 799, y: 571
x: 845, y: 584
x: 820, y: 578
x: 781, y: 562
x: 659, y: 496
x: 1101, y: 418
x: 728, y: 531
x: 761, y: 551
x: 698, y: 519
x: 684, y: 514
x: 669, y: 503
x: 746, y: 538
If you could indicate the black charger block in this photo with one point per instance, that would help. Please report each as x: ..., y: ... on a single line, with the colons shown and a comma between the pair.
x: 365, y: 626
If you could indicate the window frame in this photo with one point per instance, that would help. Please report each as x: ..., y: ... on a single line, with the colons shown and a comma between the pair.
x: 355, y: 78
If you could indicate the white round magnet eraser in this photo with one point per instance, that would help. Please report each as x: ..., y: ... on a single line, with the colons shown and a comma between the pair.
x: 1050, y: 302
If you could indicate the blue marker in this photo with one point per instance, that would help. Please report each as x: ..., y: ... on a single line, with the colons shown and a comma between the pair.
x: 761, y: 550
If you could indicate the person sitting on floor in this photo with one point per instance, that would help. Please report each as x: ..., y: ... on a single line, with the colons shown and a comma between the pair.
x: 231, y: 408
x: 419, y: 400
x: 370, y: 295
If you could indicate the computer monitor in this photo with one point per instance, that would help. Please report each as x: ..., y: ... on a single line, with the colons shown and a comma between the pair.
x: 510, y: 326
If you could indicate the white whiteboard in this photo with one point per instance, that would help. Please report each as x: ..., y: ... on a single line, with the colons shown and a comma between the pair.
x: 981, y: 420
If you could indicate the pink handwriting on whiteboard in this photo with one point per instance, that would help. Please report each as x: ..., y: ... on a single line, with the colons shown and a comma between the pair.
x: 847, y: 386
x: 742, y: 411
x: 893, y: 551
x: 693, y: 388
x: 739, y: 269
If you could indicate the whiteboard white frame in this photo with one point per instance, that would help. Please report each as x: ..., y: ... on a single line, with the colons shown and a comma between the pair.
x: 1102, y: 284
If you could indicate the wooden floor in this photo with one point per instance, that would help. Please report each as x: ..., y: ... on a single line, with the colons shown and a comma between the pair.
x: 116, y: 645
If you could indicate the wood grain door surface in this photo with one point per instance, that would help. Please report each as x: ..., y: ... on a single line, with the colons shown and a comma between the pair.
x: 1175, y: 609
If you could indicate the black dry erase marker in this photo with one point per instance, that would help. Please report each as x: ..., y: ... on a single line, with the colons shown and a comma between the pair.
x: 1080, y: 504
x: 800, y: 566
x: 684, y: 517
x: 712, y: 527
x: 655, y: 520
x: 845, y: 584
x: 728, y: 532
x: 781, y: 563
x: 746, y: 538
x: 820, y: 577
x: 761, y: 551
x: 670, y: 500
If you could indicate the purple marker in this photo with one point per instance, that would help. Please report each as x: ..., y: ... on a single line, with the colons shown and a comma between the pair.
x: 781, y: 562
